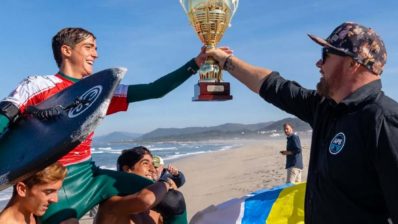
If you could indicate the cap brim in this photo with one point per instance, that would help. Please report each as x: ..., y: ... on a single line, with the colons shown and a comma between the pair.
x: 320, y: 41
x: 326, y: 44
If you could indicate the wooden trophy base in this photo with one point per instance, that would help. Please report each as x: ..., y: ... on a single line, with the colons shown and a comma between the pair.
x: 209, y: 91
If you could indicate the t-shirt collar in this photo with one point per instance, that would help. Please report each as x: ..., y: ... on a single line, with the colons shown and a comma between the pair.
x: 360, y: 96
x: 68, y: 77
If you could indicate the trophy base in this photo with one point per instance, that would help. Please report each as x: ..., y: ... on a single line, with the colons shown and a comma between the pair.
x: 208, y: 91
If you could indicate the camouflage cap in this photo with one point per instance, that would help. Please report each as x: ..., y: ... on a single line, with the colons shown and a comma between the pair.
x: 359, y: 42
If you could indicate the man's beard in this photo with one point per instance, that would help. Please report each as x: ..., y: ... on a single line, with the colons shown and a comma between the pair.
x: 322, y: 87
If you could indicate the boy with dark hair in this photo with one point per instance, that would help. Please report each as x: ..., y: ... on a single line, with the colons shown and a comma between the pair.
x: 171, y: 207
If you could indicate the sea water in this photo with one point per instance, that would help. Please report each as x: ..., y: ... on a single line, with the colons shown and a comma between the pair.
x: 105, y: 155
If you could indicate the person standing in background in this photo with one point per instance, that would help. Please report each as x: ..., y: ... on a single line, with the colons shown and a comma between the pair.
x: 294, y: 158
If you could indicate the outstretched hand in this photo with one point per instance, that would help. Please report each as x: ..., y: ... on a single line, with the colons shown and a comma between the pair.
x: 201, y: 58
x: 219, y: 54
x: 172, y: 170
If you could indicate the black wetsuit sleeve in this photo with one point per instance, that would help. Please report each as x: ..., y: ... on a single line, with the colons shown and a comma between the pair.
x: 163, y: 85
x: 172, y: 204
x: 290, y: 97
x: 179, y: 179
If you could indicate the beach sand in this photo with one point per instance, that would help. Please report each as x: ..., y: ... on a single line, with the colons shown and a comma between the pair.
x: 213, y: 178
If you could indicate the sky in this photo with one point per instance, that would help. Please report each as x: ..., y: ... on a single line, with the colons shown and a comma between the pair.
x: 153, y: 38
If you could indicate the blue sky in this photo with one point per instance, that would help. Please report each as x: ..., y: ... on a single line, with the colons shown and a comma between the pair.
x: 152, y: 38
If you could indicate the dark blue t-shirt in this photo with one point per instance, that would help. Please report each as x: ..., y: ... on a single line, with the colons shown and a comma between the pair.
x: 294, y: 145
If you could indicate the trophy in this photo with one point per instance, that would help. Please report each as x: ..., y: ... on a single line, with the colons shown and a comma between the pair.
x: 210, y: 19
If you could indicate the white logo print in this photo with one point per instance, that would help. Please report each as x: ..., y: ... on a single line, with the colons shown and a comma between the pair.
x: 337, y: 143
x: 88, y: 98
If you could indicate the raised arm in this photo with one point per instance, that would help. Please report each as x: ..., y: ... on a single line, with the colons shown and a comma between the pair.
x: 139, y: 202
x: 250, y: 75
x: 167, y: 83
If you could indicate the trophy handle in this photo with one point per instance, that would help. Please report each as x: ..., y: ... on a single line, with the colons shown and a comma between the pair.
x: 185, y: 5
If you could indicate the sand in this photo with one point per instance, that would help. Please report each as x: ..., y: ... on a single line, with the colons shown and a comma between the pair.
x: 213, y: 178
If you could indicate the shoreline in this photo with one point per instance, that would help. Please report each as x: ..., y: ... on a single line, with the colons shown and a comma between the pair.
x: 213, y: 178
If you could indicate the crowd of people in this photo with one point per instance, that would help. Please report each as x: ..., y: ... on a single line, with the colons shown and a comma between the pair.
x: 353, y: 121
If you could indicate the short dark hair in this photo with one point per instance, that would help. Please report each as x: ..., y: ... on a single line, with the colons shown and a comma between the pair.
x: 68, y: 36
x: 288, y: 124
x: 130, y: 157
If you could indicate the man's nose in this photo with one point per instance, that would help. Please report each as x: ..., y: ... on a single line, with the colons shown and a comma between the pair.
x: 319, y: 63
x: 54, y: 198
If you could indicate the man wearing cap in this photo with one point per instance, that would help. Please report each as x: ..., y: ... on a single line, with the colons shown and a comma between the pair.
x: 176, y: 175
x: 352, y: 176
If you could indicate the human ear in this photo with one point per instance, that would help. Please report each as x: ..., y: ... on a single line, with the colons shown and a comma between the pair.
x: 354, y: 66
x: 21, y: 188
x: 66, y: 50
x: 126, y: 169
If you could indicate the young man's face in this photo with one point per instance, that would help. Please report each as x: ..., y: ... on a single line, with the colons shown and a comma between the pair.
x: 144, y: 167
x: 40, y: 196
x: 83, y: 56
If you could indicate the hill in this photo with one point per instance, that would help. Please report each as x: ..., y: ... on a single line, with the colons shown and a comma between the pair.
x: 115, y: 137
x: 229, y: 130
x: 224, y: 131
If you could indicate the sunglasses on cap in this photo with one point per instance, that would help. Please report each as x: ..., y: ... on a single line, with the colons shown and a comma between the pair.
x: 326, y: 51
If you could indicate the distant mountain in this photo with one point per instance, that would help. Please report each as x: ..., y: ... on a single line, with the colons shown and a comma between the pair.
x: 115, y: 137
x: 229, y: 130
x: 194, y: 131
x: 224, y: 131
x: 298, y: 125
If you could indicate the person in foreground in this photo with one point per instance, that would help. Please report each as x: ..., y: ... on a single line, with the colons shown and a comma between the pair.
x: 32, y: 196
x: 293, y: 153
x: 353, y: 167
x: 139, y: 161
x: 75, y: 51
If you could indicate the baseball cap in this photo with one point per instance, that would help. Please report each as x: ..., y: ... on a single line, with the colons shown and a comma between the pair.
x: 361, y: 43
x: 157, y: 161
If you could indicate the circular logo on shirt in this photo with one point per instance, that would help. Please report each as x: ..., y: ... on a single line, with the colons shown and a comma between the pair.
x: 337, y: 143
x: 87, y: 99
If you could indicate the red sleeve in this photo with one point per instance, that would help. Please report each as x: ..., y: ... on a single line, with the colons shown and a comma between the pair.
x: 119, y: 100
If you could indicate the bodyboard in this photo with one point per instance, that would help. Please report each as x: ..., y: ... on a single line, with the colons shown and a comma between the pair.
x: 32, y: 144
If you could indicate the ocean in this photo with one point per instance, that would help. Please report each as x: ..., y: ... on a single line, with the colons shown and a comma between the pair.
x: 105, y: 155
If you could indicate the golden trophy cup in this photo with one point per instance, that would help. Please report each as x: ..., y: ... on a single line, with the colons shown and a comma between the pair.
x: 210, y: 19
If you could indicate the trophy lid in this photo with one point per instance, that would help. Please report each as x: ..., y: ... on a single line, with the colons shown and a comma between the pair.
x: 188, y: 5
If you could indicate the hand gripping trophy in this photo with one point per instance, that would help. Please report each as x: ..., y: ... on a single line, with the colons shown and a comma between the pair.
x: 210, y: 19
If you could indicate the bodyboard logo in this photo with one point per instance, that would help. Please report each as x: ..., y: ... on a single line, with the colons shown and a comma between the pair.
x: 88, y: 98
x: 337, y: 143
